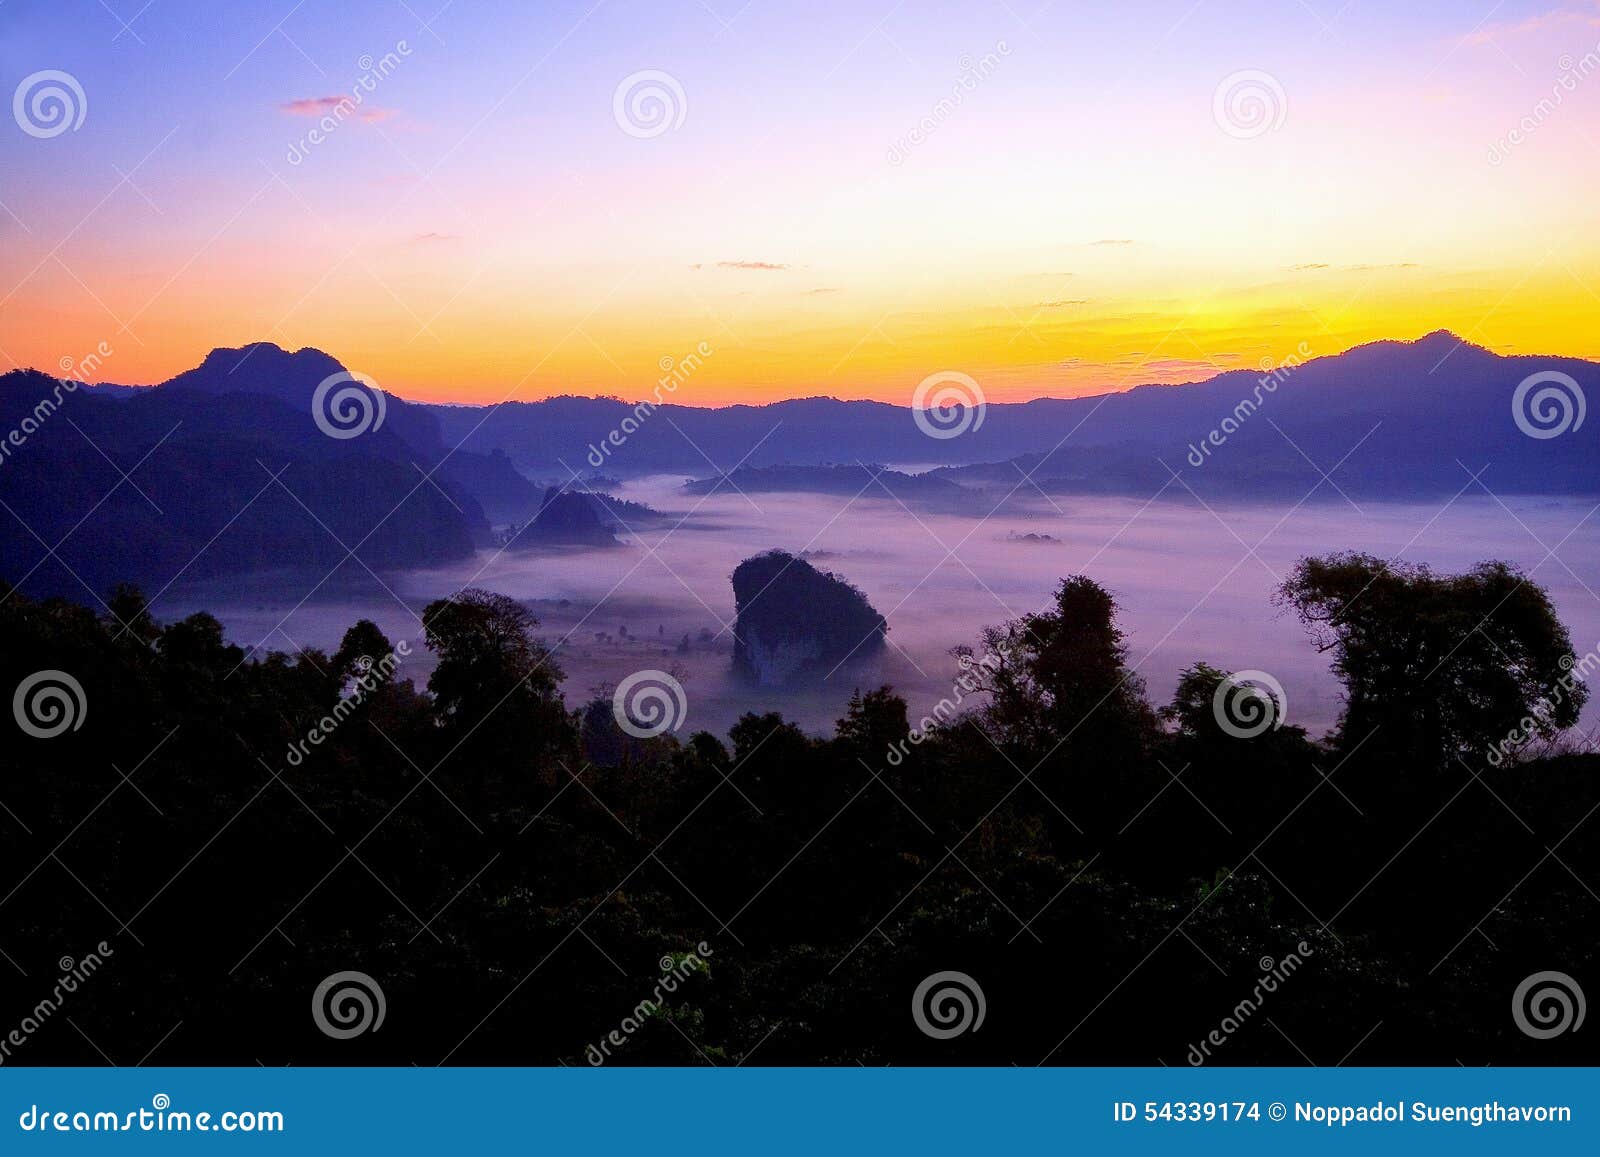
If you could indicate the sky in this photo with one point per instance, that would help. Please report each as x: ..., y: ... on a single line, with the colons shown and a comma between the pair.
x: 841, y: 198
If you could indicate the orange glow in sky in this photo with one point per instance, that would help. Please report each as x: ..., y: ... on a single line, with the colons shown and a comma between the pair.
x: 1084, y: 218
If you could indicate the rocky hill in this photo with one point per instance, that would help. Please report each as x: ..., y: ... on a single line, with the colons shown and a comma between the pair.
x: 796, y: 622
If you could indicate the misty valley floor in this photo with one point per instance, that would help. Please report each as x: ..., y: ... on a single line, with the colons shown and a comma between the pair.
x: 1185, y: 575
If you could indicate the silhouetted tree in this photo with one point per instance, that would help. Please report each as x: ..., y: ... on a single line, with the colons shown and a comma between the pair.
x: 1437, y: 666
x: 1061, y: 676
x: 495, y: 684
x: 872, y: 723
x: 361, y: 651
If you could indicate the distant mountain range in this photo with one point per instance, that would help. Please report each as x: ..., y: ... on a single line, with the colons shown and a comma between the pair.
x: 1420, y: 406
x: 262, y: 459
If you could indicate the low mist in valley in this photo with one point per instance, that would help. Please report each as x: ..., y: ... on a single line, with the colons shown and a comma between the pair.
x: 1192, y: 581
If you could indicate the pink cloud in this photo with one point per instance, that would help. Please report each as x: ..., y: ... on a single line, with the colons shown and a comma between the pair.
x: 765, y: 266
x: 335, y: 106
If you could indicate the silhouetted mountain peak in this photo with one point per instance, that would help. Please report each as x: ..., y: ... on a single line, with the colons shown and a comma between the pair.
x: 1438, y: 344
x: 260, y: 368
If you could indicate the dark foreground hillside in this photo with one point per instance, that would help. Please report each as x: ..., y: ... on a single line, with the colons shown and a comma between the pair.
x: 1124, y: 886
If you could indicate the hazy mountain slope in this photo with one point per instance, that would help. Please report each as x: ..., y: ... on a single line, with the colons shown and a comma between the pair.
x: 200, y: 496
x: 292, y: 378
x: 1432, y: 401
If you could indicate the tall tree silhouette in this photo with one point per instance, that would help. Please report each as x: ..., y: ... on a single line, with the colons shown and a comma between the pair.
x: 1437, y: 666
